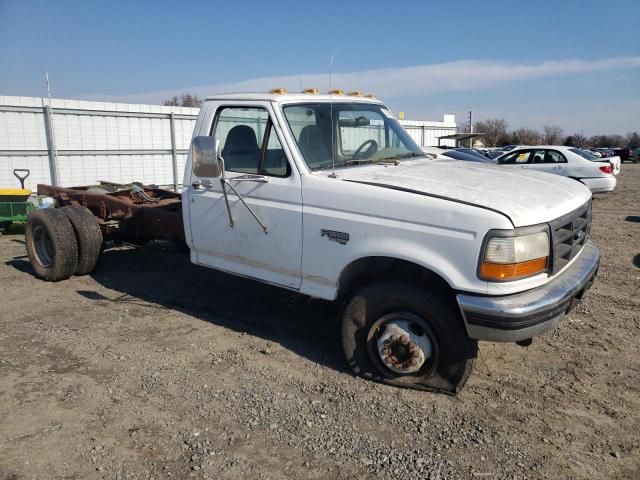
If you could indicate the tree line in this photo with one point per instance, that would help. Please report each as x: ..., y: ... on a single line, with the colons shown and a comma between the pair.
x: 185, y: 100
x: 497, y: 134
x: 496, y: 131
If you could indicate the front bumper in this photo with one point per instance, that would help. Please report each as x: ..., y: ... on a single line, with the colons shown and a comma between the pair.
x: 511, y: 318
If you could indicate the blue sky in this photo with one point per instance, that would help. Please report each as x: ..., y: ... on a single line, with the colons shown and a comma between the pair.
x: 572, y: 63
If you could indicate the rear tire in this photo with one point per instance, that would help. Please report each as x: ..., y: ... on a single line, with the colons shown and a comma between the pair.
x: 88, y: 235
x: 51, y: 244
x: 451, y: 352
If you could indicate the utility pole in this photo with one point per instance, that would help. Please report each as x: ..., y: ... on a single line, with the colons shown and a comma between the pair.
x: 470, y: 128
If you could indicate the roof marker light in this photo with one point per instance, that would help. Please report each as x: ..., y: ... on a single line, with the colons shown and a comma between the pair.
x: 336, y: 91
x: 356, y: 94
x: 279, y: 91
x: 312, y: 91
x: 370, y: 95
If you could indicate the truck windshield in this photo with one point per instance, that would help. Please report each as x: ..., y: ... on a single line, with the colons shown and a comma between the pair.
x: 362, y: 133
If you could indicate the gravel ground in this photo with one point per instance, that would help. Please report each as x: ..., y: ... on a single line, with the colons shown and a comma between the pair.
x: 155, y: 368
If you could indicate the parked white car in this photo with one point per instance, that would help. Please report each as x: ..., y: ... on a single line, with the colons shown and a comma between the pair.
x: 596, y: 173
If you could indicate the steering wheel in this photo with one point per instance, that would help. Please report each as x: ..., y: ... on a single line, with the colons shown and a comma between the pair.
x: 371, y: 149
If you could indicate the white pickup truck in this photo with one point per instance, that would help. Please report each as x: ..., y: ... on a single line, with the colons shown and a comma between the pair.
x: 329, y: 196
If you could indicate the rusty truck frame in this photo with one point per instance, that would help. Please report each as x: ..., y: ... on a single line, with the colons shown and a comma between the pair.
x: 132, y: 213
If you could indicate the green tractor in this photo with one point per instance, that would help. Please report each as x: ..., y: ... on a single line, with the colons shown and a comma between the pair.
x: 14, y: 202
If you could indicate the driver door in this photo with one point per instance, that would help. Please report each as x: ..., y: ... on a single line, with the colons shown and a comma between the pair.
x: 258, y: 167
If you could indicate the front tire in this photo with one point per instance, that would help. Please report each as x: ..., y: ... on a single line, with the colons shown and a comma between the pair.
x: 403, y: 335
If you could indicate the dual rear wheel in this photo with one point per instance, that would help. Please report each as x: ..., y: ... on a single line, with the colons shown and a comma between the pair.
x: 63, y: 242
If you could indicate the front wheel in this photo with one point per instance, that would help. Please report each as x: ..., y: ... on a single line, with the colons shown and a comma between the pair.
x: 403, y: 335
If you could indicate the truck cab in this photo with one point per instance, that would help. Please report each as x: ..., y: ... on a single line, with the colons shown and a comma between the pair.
x: 329, y: 196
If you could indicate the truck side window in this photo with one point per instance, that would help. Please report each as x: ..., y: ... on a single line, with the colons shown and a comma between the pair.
x: 275, y: 161
x: 241, y: 131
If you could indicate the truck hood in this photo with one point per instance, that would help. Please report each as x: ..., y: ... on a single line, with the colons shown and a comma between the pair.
x: 525, y: 197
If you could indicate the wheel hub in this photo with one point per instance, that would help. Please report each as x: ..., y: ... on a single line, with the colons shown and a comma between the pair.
x: 404, y: 346
x: 42, y: 246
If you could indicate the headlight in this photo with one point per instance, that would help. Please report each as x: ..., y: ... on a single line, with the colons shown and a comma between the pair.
x: 510, y: 257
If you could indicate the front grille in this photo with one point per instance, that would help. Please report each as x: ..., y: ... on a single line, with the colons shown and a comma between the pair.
x: 569, y: 233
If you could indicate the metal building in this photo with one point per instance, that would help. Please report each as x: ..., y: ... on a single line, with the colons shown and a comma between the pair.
x: 427, y: 133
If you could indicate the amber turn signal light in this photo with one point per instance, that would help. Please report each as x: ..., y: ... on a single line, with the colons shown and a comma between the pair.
x: 512, y: 271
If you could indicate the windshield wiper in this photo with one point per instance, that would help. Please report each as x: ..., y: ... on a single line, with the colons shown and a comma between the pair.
x: 386, y: 160
x: 401, y: 156
x: 390, y: 161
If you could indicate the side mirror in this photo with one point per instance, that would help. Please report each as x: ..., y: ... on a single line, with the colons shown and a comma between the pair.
x: 205, y: 157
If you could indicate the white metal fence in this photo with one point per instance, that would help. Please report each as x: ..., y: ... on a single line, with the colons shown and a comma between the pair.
x: 92, y: 141
x: 80, y: 142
